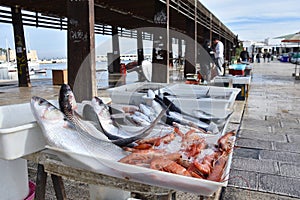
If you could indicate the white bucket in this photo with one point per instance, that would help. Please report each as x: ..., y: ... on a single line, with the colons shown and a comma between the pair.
x: 14, y: 179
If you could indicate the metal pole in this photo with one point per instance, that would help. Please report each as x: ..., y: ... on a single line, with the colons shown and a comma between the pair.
x: 168, y: 41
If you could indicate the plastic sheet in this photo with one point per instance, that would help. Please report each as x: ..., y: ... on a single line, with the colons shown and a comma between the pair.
x: 141, y: 174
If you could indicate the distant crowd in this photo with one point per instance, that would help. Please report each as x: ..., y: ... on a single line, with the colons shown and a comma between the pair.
x: 244, y: 56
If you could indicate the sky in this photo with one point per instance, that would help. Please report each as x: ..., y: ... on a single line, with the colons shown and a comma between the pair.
x: 251, y: 20
x: 257, y: 19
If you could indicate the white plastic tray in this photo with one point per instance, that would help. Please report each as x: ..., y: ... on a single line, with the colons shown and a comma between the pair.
x: 19, y: 133
x: 196, y: 91
x: 141, y: 174
x: 218, y: 108
x: 132, y: 93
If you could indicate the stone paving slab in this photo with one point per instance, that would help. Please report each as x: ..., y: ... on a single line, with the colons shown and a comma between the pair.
x: 287, y: 130
x: 260, y: 125
x: 279, y: 185
x: 255, y: 165
x: 280, y: 156
x: 232, y: 193
x: 253, y: 143
x: 290, y: 170
x: 243, y: 179
x: 246, y: 153
x: 290, y: 124
x: 294, y: 138
x: 289, y: 147
x: 257, y: 135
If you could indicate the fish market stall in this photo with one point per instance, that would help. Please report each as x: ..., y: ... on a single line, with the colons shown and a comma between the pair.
x: 241, y: 82
x: 172, y: 150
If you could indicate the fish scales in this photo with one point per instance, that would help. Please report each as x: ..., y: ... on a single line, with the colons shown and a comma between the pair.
x: 62, y: 134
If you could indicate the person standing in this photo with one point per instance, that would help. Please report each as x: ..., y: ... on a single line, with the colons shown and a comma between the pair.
x: 244, y: 55
x: 219, y: 57
x: 268, y: 56
x: 264, y: 56
x: 258, y: 57
x: 206, y: 60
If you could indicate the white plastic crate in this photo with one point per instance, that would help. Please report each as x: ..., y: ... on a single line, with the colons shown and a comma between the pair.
x: 19, y: 133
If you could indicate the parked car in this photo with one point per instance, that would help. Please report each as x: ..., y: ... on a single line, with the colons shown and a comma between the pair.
x: 284, y: 57
x: 295, y: 58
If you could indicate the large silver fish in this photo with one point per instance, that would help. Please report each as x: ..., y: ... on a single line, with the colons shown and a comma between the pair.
x: 68, y: 106
x: 126, y: 137
x: 62, y: 134
x: 102, y: 128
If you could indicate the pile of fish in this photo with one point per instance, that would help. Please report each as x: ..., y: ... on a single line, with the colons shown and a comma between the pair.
x: 188, y: 154
x: 135, y: 139
x: 144, y: 114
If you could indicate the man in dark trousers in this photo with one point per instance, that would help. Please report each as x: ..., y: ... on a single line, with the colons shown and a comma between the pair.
x: 244, y: 55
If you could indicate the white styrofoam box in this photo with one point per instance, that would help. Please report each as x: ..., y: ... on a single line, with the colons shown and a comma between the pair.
x: 14, y: 179
x: 201, y: 91
x: 215, y: 107
x: 19, y: 133
x: 222, y: 79
x: 132, y: 93
x: 233, y: 79
x: 242, y: 80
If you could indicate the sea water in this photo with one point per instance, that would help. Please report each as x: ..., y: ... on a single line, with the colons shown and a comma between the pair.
x: 45, y: 72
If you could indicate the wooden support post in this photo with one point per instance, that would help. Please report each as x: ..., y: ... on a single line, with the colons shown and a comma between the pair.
x: 190, y: 52
x: 59, y: 187
x: 23, y: 71
x: 159, y: 57
x: 115, y: 76
x: 210, y: 27
x: 196, y: 31
x: 116, y: 50
x: 160, y: 52
x: 81, y: 49
x: 41, y: 180
x: 171, y: 56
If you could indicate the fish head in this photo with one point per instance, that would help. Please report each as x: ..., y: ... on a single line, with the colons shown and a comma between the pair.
x: 45, y: 111
x: 100, y: 108
x: 67, y: 101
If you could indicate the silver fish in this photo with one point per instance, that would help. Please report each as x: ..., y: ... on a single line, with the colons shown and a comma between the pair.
x: 151, y: 94
x: 107, y: 125
x: 68, y: 106
x: 148, y: 111
x: 139, y: 120
x: 142, y: 115
x: 62, y: 134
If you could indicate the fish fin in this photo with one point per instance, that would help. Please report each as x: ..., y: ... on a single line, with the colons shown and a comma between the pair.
x: 89, y: 114
x: 68, y: 124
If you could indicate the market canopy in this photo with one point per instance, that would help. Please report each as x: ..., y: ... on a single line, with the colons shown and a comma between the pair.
x: 293, y: 38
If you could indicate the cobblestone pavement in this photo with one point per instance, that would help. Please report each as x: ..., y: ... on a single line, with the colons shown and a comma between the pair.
x: 266, y: 161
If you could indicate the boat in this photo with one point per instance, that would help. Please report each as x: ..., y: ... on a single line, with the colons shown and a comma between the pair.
x: 32, y: 66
